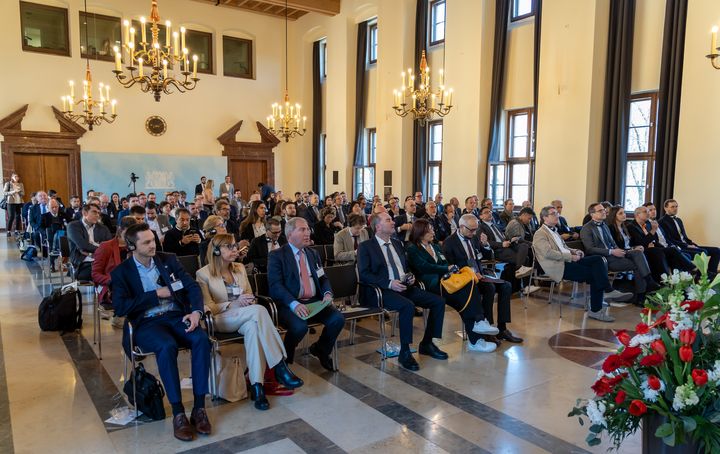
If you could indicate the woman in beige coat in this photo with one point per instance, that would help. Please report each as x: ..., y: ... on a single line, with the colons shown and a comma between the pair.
x: 228, y: 296
x: 14, y: 191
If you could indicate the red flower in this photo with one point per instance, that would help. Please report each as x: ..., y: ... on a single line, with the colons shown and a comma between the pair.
x: 660, y: 320
x: 669, y: 324
x: 637, y: 408
x: 653, y: 382
x: 692, y: 306
x: 687, y: 336
x: 629, y: 354
x: 611, y: 363
x: 620, y: 398
x: 686, y: 354
x: 646, y: 311
x: 642, y: 328
x: 700, y: 377
x: 601, y: 387
x: 616, y: 379
x: 658, y: 346
x: 652, y: 360
x: 623, y: 337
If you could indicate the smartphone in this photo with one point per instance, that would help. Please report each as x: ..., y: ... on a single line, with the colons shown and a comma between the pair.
x: 190, y: 232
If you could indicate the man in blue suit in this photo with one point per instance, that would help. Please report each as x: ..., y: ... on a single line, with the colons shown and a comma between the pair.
x: 382, y: 264
x: 296, y: 277
x: 165, y: 305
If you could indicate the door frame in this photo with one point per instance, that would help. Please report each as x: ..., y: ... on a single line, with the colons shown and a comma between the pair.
x: 250, y: 151
x: 64, y: 143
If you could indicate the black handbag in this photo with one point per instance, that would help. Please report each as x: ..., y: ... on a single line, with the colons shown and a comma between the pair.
x: 61, y: 311
x: 149, y: 392
x: 4, y: 203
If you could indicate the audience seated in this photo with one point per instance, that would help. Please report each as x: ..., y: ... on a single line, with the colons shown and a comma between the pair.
x: 84, y: 237
x: 222, y: 209
x: 447, y: 223
x: 563, y: 229
x: 253, y: 225
x: 182, y: 239
x: 465, y: 248
x: 154, y: 292
x: 35, y: 218
x: 133, y: 200
x: 471, y: 206
x: 52, y: 227
x: 507, y: 214
x: 261, y: 247
x: 327, y: 227
x: 676, y: 235
x: 347, y: 241
x: 393, y: 207
x: 518, y: 228
x: 107, y: 257
x: 487, y: 202
x: 431, y: 214
x: 560, y: 262
x: 534, y: 224
x: 140, y: 215
x: 403, y: 222
x: 419, y: 204
x: 296, y: 277
x: 616, y: 221
x: 514, y: 253
x: 341, y: 216
x: 213, y: 225
x: 227, y: 294
x: 74, y: 211
x: 311, y: 213
x: 158, y: 223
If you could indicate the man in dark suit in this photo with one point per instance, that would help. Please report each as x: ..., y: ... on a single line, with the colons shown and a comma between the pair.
x: 566, y: 232
x: 382, y: 264
x: 515, y: 253
x: 74, y: 211
x: 35, y: 217
x: 675, y: 234
x: 312, y: 213
x: 199, y: 188
x: 597, y: 240
x: 296, y: 277
x: 165, y: 305
x: 262, y: 246
x: 466, y: 248
x: 487, y: 202
x: 84, y: 237
x: 51, y: 223
x: 183, y: 239
x: 403, y: 222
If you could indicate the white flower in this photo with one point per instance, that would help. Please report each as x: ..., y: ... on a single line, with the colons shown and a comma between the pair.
x: 650, y: 394
x: 685, y: 397
x: 685, y: 276
x: 714, y: 373
x: 596, y: 412
x: 644, y: 339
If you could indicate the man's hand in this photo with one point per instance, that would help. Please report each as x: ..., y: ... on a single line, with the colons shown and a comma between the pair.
x: 196, y: 238
x: 483, y: 238
x: 163, y: 292
x: 654, y: 226
x: 575, y: 235
x: 243, y: 246
x: 194, y: 318
x: 186, y: 239
x: 617, y: 252
x: 506, y: 243
x: 301, y: 310
x: 575, y: 257
x: 338, y: 224
x: 328, y: 298
x: 406, y: 226
x: 565, y: 236
x: 638, y: 248
x: 397, y: 286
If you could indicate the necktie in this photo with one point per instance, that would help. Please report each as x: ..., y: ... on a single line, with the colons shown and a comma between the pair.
x: 355, y: 242
x: 304, y: 277
x: 395, y: 271
x: 604, y: 236
x: 471, y: 256
x: 498, y: 236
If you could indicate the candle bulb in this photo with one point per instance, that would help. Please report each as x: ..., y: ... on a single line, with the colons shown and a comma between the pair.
x: 182, y: 37
x: 102, y: 107
x: 131, y: 52
x: 414, y: 104
x: 132, y: 34
x: 142, y: 31
x: 140, y: 66
x: 107, y: 92
x: 450, y: 98
x: 195, y: 60
x: 64, y: 104
x: 167, y: 33
x: 165, y: 63
x: 304, y: 122
x: 176, y: 46
x: 713, y: 40
x: 118, y: 61
x: 72, y: 88
x: 126, y: 31
x: 185, y: 59
x: 112, y: 105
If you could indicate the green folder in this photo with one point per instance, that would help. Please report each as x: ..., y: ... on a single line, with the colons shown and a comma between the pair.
x: 315, y: 307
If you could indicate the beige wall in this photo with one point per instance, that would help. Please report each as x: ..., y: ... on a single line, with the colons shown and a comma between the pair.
x: 647, y: 45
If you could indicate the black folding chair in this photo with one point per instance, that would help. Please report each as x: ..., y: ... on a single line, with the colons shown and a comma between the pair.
x: 329, y: 255
x: 320, y: 249
x: 190, y: 263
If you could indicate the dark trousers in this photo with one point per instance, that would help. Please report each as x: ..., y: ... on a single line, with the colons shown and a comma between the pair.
x: 83, y: 272
x: 633, y: 261
x: 297, y: 328
x: 14, y: 216
x: 504, y: 293
x: 517, y: 254
x: 404, y: 303
x: 677, y: 260
x: 473, y: 310
x: 657, y: 259
x: 592, y: 270
x: 163, y: 335
x: 712, y: 252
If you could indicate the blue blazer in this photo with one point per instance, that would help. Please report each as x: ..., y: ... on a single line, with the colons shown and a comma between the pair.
x: 284, y: 276
x: 131, y: 300
x: 371, y: 262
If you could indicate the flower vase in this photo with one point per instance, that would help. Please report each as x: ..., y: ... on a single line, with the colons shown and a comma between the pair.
x: 654, y: 445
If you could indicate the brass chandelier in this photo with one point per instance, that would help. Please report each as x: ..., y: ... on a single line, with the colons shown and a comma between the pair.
x: 422, y: 102
x: 284, y: 122
x: 93, y: 112
x: 154, y: 60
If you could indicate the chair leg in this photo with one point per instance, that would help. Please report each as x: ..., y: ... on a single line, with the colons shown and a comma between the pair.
x: 383, y: 340
x: 336, y: 357
x: 426, y: 315
x: 353, y: 323
x: 552, y: 290
x: 214, y: 371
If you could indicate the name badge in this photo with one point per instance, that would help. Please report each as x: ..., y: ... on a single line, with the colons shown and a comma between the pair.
x: 164, y: 229
x: 176, y: 286
x: 442, y: 257
x: 236, y: 291
x: 320, y: 272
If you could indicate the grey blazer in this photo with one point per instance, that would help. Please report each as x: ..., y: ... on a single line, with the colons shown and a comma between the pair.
x: 344, y: 246
x: 592, y: 241
x: 514, y: 229
x: 80, y: 241
x: 227, y: 188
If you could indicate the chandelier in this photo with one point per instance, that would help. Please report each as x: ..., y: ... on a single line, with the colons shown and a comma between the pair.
x: 423, y: 103
x: 284, y: 121
x: 153, y: 59
x: 713, y: 55
x: 93, y: 112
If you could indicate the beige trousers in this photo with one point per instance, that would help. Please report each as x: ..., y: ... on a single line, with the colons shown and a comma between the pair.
x: 263, y: 345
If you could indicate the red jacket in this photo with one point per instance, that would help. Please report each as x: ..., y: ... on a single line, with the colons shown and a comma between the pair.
x: 107, y: 257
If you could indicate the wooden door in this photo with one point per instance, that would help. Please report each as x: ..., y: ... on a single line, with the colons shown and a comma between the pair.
x: 41, y: 172
x: 247, y: 173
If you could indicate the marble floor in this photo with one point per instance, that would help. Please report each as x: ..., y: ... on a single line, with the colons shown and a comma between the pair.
x: 55, y: 392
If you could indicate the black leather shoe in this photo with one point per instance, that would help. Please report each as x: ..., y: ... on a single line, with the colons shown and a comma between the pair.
x: 325, y: 360
x: 652, y: 285
x: 257, y: 395
x: 491, y: 338
x: 432, y: 351
x: 285, y: 376
x: 508, y: 336
x: 407, y: 361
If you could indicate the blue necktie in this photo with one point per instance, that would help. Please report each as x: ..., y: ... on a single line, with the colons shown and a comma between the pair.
x: 394, y: 267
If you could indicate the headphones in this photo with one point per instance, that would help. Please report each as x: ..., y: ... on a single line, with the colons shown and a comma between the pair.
x: 216, y: 248
x: 212, y: 231
x: 129, y: 244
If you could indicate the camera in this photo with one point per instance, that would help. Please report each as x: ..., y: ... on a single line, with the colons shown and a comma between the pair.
x: 407, y: 278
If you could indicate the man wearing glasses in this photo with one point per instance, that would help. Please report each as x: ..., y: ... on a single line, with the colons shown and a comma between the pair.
x: 261, y: 246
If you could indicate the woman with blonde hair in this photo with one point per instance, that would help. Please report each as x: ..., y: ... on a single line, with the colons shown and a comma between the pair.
x: 228, y: 296
x: 208, y: 196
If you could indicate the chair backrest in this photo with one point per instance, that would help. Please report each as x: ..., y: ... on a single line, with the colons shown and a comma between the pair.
x: 575, y: 244
x: 64, y: 246
x: 343, y: 280
x: 329, y: 255
x: 320, y: 249
x: 190, y: 263
x: 261, y: 284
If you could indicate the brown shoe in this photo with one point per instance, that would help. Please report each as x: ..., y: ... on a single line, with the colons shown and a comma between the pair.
x: 490, y: 338
x: 199, y: 419
x: 182, y: 428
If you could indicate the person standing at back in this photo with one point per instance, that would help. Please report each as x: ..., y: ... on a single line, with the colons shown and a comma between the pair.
x: 14, y: 191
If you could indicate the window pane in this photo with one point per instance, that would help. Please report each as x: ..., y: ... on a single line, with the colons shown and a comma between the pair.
x: 638, y: 139
x: 437, y: 28
x: 200, y: 44
x: 237, y: 57
x: 521, y: 174
x: 634, y: 197
x: 368, y: 181
x: 640, y: 112
x: 635, y: 182
x: 436, y: 152
x: 44, y: 28
x: 103, y: 33
x: 520, y: 192
x: 519, y: 125
x: 372, y: 43
x: 519, y: 147
x: 497, y: 184
x: 522, y: 7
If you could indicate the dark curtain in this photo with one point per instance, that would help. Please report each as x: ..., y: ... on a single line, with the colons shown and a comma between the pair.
x: 616, y: 111
x: 360, y: 94
x: 671, y: 71
x: 316, y: 118
x: 536, y: 68
x: 502, y: 13
x: 420, y: 157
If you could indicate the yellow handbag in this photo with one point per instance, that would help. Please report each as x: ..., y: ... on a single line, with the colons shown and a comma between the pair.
x: 459, y: 280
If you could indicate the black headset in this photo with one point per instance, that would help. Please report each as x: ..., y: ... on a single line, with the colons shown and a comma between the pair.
x: 129, y: 244
x: 216, y: 248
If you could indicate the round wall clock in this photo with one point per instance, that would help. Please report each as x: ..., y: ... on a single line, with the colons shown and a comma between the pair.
x: 155, y: 125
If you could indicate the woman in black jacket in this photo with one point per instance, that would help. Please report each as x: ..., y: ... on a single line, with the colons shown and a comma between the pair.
x: 325, y: 230
x: 654, y: 256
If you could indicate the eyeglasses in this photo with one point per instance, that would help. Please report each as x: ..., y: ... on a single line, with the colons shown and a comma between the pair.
x: 601, y: 210
x: 469, y: 229
x: 232, y: 247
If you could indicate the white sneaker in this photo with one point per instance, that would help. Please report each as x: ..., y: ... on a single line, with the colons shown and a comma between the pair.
x: 618, y: 304
x: 523, y: 271
x: 617, y: 295
x: 483, y: 327
x: 481, y: 346
x: 530, y: 289
x: 601, y: 315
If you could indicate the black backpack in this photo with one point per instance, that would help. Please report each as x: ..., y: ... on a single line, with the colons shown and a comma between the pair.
x: 149, y: 393
x: 61, y: 311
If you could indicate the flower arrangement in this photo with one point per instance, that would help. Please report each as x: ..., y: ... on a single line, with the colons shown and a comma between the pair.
x: 669, y: 368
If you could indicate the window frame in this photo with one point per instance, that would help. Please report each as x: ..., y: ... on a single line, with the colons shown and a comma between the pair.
x: 369, y: 159
x: 322, y: 183
x: 509, y: 162
x: 211, y: 54
x: 432, y: 23
x: 250, y: 58
x: 428, y: 153
x: 323, y: 59
x: 651, y: 154
x: 97, y: 56
x: 372, y: 44
x: 63, y: 53
x: 513, y: 6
